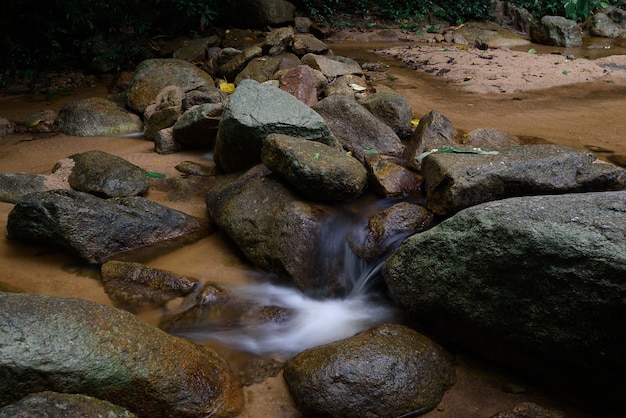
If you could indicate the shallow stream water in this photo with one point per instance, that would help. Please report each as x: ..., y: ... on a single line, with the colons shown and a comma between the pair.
x: 581, y: 116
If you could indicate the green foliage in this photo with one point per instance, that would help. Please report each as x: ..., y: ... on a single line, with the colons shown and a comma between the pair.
x: 201, y: 11
x: 572, y: 9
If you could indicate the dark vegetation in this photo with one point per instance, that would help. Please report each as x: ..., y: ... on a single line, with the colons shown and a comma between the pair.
x: 112, y: 35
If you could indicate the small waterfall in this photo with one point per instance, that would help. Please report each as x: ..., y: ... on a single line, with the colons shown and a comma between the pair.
x: 317, y: 318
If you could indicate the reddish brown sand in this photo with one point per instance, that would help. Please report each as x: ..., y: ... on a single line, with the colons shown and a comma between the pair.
x: 584, y: 115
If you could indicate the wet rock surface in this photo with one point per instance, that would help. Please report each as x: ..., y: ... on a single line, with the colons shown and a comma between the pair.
x: 97, y: 117
x: 248, y: 118
x: 74, y: 221
x: 63, y: 405
x: 387, y: 371
x: 71, y: 345
x: 134, y: 286
x: 152, y: 76
x: 532, y: 282
x: 455, y: 181
x: 245, y: 208
x: 106, y: 175
x: 316, y: 170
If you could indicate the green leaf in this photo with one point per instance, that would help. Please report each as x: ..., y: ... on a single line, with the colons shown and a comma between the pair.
x: 532, y: 51
x: 370, y: 150
x: 449, y: 150
x: 316, y: 155
x: 155, y: 175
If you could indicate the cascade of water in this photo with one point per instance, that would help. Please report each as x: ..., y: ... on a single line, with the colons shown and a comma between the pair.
x: 312, y: 320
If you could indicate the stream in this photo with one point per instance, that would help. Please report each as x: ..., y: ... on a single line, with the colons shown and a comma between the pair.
x: 585, y: 116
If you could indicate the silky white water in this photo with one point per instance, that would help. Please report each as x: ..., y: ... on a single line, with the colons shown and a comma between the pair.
x: 315, y: 318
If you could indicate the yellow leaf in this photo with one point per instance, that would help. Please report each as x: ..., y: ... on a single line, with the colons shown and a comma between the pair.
x: 415, y: 122
x: 227, y: 87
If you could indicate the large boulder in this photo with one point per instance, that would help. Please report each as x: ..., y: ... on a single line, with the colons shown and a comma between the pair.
x: 458, y: 180
x: 536, y: 283
x: 254, y: 111
x: 315, y: 170
x: 76, y: 346
x: 387, y: 371
x: 556, y: 31
x: 63, y: 405
x: 153, y: 75
x: 106, y: 175
x: 97, y: 117
x: 356, y: 128
x: 95, y: 229
x: 273, y: 228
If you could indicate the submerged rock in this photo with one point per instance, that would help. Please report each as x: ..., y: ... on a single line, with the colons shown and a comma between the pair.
x: 536, y: 283
x: 96, y: 229
x: 387, y: 371
x: 77, y: 346
x: 134, y: 286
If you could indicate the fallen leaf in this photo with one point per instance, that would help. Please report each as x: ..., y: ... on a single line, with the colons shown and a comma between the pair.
x: 155, y: 175
x: 532, y: 51
x: 227, y: 87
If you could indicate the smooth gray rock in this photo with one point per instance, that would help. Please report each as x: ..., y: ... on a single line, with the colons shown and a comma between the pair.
x: 356, y: 128
x: 315, y: 170
x: 387, y: 371
x: 97, y: 117
x: 254, y: 111
x: 535, y: 283
x: 107, y: 175
x: 63, y: 405
x: 556, y: 31
x: 153, y: 75
x: 455, y: 181
x: 95, y: 229
x: 77, y: 346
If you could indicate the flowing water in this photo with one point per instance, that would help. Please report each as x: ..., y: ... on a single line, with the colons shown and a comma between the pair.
x: 579, y: 116
x: 317, y: 316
